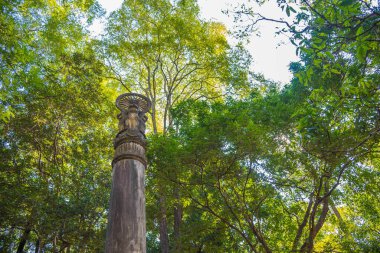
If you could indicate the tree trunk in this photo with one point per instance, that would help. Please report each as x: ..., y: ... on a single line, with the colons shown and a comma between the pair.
x: 177, y: 220
x: 303, y: 224
x: 154, y: 121
x: 55, y: 250
x: 23, y: 240
x: 308, y: 245
x: 164, y: 238
x: 37, y: 249
x: 68, y: 249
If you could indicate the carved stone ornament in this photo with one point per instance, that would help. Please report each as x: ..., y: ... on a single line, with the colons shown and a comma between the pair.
x: 130, y: 142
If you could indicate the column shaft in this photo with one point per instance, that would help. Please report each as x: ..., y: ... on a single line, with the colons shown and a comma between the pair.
x: 126, y: 227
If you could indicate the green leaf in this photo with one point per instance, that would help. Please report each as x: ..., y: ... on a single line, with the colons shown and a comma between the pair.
x: 317, y: 62
x: 346, y: 2
x: 359, y: 31
x: 361, y: 52
x: 330, y: 55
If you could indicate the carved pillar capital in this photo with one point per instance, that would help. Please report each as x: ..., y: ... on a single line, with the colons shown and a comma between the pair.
x: 130, y: 142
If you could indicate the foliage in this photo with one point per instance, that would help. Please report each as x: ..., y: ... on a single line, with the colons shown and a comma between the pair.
x: 177, y: 57
x: 54, y: 183
x: 236, y: 163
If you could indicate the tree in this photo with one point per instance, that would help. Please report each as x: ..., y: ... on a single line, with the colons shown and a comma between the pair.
x: 334, y: 122
x: 54, y: 183
x: 163, y: 50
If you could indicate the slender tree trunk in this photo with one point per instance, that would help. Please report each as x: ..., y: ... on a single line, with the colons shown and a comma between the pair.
x: 164, y: 238
x: 308, y: 245
x: 68, y: 249
x: 65, y: 246
x: 168, y: 106
x: 303, y: 224
x: 23, y: 240
x: 177, y: 220
x: 163, y: 225
x: 55, y: 244
x: 37, y: 249
x: 154, y: 123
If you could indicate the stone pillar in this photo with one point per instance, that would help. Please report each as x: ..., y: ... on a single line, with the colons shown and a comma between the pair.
x: 126, y: 231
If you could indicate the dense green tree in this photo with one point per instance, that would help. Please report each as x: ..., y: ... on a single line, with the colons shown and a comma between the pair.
x: 248, y: 167
x: 54, y: 183
x: 330, y: 135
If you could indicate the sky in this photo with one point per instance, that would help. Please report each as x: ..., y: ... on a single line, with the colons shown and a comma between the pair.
x: 271, y: 54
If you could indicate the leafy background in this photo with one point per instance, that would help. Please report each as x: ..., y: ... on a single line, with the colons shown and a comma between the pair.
x: 237, y: 163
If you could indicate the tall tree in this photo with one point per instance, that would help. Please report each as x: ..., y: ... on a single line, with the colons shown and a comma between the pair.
x: 53, y: 180
x: 163, y: 50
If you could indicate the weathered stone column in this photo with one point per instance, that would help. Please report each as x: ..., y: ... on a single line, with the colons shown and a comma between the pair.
x: 126, y: 221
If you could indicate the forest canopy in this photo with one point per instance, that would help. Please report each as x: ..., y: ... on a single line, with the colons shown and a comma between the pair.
x: 236, y: 162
